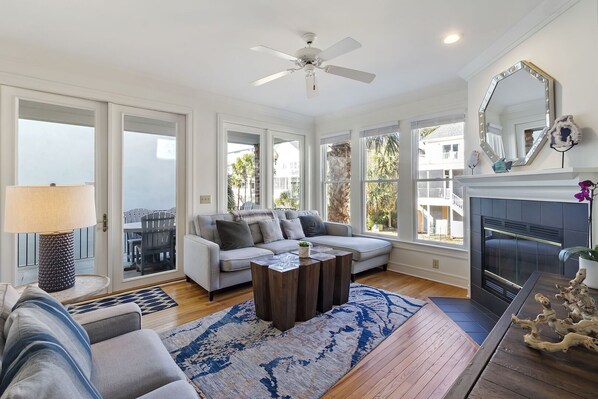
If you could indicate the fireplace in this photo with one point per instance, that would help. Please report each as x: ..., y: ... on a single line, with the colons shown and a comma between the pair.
x: 510, y: 239
x: 512, y: 251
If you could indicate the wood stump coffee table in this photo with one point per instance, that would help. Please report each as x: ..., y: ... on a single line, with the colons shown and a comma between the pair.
x: 342, y: 272
x: 285, y: 289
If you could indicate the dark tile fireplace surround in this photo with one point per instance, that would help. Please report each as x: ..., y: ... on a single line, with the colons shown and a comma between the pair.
x: 512, y: 238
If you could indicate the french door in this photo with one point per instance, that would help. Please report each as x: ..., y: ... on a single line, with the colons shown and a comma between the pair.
x: 135, y: 159
x: 146, y: 172
x: 47, y: 138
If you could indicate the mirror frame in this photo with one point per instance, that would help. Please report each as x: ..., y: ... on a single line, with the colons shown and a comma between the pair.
x: 548, y: 83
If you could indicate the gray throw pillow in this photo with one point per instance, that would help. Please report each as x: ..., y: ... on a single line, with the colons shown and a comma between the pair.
x: 292, y: 228
x: 312, y: 225
x: 234, y: 235
x: 256, y: 233
x: 271, y: 230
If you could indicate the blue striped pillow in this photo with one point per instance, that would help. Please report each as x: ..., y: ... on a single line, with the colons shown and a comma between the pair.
x: 41, y: 335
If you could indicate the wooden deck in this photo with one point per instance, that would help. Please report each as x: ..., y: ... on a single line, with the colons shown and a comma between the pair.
x: 421, y: 359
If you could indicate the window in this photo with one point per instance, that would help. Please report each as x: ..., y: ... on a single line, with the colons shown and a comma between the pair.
x: 243, y: 170
x: 336, y: 177
x: 381, y: 179
x: 286, y: 171
x: 439, y: 198
x: 56, y: 144
x: 450, y: 151
x: 260, y: 168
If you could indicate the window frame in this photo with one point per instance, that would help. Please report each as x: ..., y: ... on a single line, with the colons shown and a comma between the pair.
x: 363, y: 136
x: 266, y: 130
x: 416, y: 125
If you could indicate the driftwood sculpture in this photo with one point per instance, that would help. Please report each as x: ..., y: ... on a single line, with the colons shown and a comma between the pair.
x: 580, y: 328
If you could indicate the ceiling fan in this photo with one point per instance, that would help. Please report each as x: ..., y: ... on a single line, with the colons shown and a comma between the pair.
x: 311, y: 58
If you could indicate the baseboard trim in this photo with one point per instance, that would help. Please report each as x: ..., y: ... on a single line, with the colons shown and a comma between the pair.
x: 439, y: 277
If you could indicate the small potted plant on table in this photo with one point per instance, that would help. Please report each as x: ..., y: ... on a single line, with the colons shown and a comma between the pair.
x: 304, y: 249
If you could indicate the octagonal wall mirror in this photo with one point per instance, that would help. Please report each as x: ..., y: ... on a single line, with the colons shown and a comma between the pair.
x: 516, y: 113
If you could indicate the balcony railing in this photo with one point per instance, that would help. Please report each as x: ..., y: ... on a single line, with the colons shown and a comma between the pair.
x: 28, y: 246
x: 439, y: 192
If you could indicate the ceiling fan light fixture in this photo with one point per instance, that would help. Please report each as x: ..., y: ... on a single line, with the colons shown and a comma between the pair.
x: 452, y: 38
x: 311, y: 58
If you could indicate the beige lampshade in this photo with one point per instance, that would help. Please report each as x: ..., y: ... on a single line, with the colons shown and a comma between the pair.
x: 47, y: 209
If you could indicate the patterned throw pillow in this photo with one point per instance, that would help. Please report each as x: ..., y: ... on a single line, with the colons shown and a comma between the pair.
x: 234, y: 235
x: 292, y: 228
x: 271, y: 230
x: 47, y: 353
x: 312, y: 225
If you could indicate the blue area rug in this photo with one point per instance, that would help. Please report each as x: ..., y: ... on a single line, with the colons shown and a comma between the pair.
x: 233, y: 354
x: 150, y: 300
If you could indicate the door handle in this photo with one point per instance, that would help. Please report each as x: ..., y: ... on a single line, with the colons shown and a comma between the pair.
x: 105, y: 223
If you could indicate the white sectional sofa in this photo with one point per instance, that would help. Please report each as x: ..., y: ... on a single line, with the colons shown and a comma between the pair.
x: 215, y: 269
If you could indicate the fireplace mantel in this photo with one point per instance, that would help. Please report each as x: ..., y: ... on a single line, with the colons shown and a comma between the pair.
x: 543, y: 185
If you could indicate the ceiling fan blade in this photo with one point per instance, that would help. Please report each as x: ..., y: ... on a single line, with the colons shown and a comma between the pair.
x: 272, y: 77
x: 311, y: 84
x: 338, y: 49
x: 276, y: 53
x: 354, y: 74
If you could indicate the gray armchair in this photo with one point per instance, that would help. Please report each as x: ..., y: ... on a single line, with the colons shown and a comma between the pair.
x: 128, y: 361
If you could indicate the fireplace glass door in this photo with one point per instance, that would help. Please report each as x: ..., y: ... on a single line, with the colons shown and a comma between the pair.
x: 511, y: 258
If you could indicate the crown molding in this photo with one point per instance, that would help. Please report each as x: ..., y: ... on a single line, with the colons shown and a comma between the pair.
x: 538, y: 18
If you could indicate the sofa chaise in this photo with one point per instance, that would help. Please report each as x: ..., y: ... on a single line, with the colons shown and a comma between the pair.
x: 215, y: 269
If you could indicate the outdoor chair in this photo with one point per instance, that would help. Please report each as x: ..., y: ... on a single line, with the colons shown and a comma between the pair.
x: 157, y: 241
x: 247, y: 205
x: 132, y: 239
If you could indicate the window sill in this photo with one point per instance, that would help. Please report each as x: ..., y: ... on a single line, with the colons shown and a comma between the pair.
x: 425, y: 247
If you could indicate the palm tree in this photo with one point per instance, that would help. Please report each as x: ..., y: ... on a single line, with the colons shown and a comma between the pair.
x: 339, y: 194
x: 234, y: 180
x: 244, y: 169
x: 383, y: 163
x: 387, y: 144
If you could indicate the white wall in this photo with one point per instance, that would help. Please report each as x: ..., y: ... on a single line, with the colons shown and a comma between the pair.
x: 567, y: 50
x: 406, y: 257
x: 38, y: 69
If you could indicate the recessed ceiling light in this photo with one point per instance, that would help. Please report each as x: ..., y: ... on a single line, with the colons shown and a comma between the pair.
x: 452, y: 38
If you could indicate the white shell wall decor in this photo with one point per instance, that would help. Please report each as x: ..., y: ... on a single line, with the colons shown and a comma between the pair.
x: 564, y: 134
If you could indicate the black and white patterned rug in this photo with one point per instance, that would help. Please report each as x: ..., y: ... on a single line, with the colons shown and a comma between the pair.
x: 150, y: 300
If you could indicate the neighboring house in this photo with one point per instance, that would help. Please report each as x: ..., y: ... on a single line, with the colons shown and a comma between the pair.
x: 440, y: 206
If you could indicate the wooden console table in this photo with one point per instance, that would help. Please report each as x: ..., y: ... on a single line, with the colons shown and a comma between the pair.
x: 505, y: 367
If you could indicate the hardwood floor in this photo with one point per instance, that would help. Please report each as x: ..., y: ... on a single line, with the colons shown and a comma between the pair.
x: 421, y: 359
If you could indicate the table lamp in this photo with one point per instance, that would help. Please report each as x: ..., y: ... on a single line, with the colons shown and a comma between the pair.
x: 53, y: 212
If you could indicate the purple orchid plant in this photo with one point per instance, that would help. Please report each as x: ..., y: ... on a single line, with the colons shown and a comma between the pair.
x: 588, y: 190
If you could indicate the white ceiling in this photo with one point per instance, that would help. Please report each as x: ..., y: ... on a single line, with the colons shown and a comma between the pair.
x: 204, y: 44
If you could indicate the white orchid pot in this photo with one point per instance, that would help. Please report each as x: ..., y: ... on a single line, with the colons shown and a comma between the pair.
x: 591, y: 267
x: 304, y: 252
